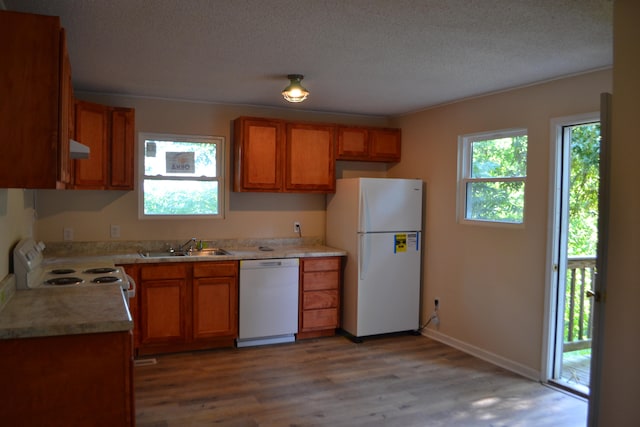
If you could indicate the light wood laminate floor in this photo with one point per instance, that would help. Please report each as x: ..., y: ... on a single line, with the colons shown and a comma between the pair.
x: 391, y: 381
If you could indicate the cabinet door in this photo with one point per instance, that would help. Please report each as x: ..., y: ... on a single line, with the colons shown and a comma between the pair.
x: 163, y: 292
x: 353, y: 144
x: 92, y: 129
x: 258, y: 154
x: 215, y: 299
x: 309, y: 160
x: 121, y: 149
x: 68, y: 380
x: 385, y: 145
x: 215, y: 302
x: 66, y: 113
x: 30, y: 83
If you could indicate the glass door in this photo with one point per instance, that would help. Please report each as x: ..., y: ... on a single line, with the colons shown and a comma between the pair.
x: 576, y: 257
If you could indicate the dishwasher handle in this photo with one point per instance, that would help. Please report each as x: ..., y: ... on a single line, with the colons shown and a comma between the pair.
x: 268, y: 263
x: 271, y: 263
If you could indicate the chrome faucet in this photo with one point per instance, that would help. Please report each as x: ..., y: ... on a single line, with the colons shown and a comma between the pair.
x: 189, y: 242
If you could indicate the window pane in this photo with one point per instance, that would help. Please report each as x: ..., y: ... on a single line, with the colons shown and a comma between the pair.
x: 166, y: 197
x: 503, y: 157
x: 495, y: 201
x: 178, y: 158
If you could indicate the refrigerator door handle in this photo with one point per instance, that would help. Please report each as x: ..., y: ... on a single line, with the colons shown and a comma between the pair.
x: 361, y: 210
x: 361, y: 256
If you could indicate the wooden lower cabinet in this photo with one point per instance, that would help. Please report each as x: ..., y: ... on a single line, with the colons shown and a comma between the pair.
x: 70, y: 380
x: 163, y: 303
x: 215, y: 300
x: 320, y: 287
x: 187, y: 306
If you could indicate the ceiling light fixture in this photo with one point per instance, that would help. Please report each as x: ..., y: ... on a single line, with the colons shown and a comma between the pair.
x: 295, y: 92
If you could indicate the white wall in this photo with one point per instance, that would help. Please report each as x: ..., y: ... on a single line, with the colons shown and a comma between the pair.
x: 490, y: 280
x: 620, y: 380
x: 248, y: 215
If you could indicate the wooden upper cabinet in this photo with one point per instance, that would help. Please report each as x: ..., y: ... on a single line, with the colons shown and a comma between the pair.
x: 368, y: 144
x: 353, y: 143
x: 109, y: 133
x: 258, y: 146
x: 67, y: 116
x: 310, y: 165
x: 35, y: 85
x: 121, y: 160
x: 385, y: 145
x: 274, y: 155
x: 91, y: 130
x: 277, y: 156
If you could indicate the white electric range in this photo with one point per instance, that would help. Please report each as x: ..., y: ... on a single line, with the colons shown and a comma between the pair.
x: 32, y: 272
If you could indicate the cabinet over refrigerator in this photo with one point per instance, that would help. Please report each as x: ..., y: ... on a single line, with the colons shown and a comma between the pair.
x: 378, y: 221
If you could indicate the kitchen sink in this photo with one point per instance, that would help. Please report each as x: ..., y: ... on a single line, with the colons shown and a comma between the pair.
x: 202, y: 252
x: 209, y: 252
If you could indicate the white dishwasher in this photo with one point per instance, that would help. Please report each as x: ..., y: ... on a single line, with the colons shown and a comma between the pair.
x: 268, y: 301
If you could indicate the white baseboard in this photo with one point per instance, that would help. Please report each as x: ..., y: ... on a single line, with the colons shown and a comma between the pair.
x: 495, y: 359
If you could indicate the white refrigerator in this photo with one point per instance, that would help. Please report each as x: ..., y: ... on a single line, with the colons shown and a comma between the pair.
x: 378, y: 221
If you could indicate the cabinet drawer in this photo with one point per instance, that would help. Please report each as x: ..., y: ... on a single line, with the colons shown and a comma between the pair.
x: 320, y: 280
x: 321, y: 264
x: 215, y: 269
x: 319, y: 299
x: 320, y: 319
x: 164, y: 271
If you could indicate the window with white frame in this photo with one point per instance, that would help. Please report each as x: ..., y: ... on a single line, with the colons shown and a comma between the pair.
x: 181, y: 176
x: 493, y: 174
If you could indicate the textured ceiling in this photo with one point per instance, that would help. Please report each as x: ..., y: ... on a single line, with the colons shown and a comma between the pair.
x: 374, y: 57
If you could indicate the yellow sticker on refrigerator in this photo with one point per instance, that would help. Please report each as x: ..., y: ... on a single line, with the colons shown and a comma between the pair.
x: 405, y: 241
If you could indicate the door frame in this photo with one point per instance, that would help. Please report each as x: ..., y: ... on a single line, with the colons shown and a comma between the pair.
x: 550, y: 327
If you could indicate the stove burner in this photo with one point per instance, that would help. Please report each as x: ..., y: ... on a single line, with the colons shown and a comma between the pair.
x: 105, y: 279
x: 64, y: 281
x: 63, y: 271
x: 101, y: 270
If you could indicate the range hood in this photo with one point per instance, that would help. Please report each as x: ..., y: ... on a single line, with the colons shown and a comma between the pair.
x: 77, y: 150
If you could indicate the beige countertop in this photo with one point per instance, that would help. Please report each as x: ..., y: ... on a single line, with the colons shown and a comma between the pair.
x: 64, y: 311
x: 240, y: 253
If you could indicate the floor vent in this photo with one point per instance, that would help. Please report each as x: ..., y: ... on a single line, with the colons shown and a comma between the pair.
x: 145, y: 362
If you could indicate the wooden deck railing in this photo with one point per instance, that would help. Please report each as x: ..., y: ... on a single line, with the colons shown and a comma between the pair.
x: 578, y: 325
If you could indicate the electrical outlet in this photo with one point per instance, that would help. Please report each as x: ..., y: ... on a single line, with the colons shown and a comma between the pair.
x: 296, y: 227
x: 114, y: 231
x: 67, y: 233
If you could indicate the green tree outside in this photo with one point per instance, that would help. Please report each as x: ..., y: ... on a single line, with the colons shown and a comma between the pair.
x: 583, y: 213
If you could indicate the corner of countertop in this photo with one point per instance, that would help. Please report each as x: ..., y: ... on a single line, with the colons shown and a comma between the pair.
x: 7, y: 289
